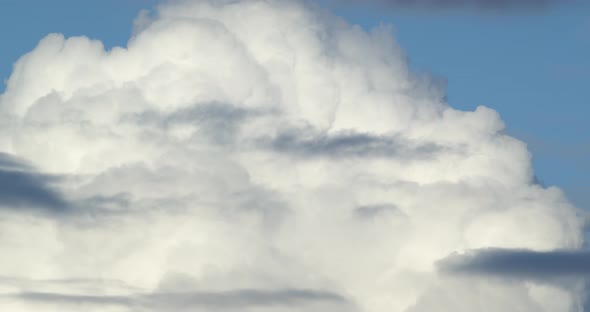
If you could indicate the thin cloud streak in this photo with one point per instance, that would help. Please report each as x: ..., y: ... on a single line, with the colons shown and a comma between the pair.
x: 165, y: 300
x: 497, y: 6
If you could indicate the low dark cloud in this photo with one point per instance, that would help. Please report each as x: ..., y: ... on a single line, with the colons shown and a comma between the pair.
x: 185, y: 300
x: 519, y: 263
x: 22, y: 188
x: 478, y: 5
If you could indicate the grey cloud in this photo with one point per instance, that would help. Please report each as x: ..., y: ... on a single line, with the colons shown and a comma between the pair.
x: 372, y: 211
x: 256, y: 201
x: 479, y: 5
x: 309, y: 144
x: 9, y: 162
x: 183, y: 300
x: 217, y: 121
x: 20, y: 187
x: 210, y: 111
x: 115, y: 202
x: 55, y: 298
x: 246, y: 297
x: 519, y: 263
x: 77, y: 283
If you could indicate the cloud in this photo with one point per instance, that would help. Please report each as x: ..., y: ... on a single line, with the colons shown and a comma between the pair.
x: 338, y: 145
x: 9, y: 162
x: 69, y: 283
x: 259, y: 153
x: 216, y: 121
x: 246, y: 298
x: 480, y: 5
x: 20, y: 188
x: 373, y: 211
x: 242, y: 299
x: 76, y: 292
x: 519, y: 263
x: 73, y: 299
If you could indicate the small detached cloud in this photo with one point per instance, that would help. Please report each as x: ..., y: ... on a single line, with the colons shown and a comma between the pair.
x: 519, y: 263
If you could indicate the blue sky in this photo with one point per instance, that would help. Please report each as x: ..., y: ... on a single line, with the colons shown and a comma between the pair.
x: 531, y: 67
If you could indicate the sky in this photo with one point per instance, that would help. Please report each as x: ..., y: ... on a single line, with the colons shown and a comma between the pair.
x: 275, y: 155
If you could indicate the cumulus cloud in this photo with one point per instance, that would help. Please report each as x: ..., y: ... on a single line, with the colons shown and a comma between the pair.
x: 258, y: 155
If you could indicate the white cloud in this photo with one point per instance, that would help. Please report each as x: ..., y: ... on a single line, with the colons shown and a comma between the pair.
x: 233, y: 144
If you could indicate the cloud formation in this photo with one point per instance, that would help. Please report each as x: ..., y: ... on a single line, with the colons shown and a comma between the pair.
x: 265, y: 153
